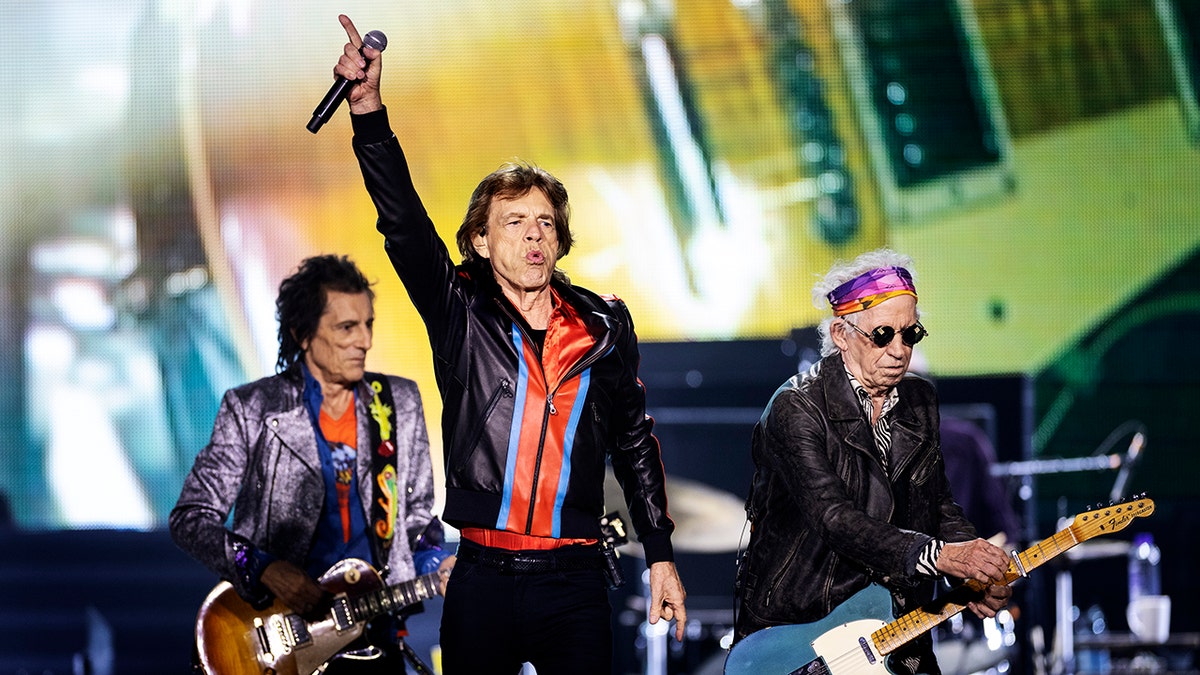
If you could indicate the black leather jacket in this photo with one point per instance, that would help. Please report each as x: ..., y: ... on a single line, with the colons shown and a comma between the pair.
x: 471, y: 330
x: 826, y: 518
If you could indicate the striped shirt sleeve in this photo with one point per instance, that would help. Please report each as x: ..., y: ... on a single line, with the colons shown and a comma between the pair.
x: 928, y: 556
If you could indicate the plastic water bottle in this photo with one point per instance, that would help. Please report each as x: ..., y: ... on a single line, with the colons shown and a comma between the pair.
x: 1144, y: 576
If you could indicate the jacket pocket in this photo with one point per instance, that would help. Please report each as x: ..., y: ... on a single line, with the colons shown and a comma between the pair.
x: 784, y: 569
x: 504, y: 390
x: 925, y: 470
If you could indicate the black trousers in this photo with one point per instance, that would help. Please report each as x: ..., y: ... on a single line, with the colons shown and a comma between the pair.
x: 494, y: 621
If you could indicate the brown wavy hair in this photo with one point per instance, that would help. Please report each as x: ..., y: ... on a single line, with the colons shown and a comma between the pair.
x: 514, y: 179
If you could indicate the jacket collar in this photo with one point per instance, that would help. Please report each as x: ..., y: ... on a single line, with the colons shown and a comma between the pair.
x: 295, y: 426
x: 839, y: 395
x: 847, y: 415
x: 908, y: 433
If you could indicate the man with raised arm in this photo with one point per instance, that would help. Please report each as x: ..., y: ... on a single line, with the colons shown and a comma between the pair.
x: 539, y: 389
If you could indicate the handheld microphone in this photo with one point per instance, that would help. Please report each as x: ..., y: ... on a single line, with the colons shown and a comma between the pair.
x: 341, y: 86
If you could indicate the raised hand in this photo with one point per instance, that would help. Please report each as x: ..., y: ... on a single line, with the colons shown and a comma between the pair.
x: 363, y: 66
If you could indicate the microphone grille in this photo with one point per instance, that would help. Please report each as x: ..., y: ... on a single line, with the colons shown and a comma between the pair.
x: 375, y: 40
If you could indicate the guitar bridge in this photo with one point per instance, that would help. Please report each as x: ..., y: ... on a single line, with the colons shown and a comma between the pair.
x: 264, y: 640
x: 815, y: 667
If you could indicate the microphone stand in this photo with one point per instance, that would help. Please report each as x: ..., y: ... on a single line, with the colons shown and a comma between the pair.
x: 1035, y: 467
x: 1063, y: 587
x: 1131, y: 459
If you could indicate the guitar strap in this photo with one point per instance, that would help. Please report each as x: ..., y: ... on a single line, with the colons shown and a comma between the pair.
x: 386, y: 493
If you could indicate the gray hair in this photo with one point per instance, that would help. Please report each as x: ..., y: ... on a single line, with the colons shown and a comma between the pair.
x: 840, y: 273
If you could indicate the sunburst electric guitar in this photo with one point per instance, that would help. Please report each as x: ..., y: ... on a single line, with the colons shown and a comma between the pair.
x: 233, y: 638
x: 857, y: 636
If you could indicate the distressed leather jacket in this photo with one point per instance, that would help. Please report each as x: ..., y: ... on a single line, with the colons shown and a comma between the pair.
x: 502, y: 405
x: 262, y: 463
x: 826, y: 518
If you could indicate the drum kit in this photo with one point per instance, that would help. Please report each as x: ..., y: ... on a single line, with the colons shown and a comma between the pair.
x: 707, y: 519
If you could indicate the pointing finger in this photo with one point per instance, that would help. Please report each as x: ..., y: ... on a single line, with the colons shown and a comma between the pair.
x: 351, y: 31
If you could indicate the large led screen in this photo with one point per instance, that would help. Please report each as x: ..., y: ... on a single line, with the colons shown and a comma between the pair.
x: 1037, y: 158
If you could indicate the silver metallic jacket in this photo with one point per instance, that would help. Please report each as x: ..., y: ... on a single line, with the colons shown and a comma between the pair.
x: 262, y: 464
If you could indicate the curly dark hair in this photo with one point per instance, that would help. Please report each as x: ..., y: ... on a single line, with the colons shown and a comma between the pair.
x: 302, y: 298
x: 514, y: 179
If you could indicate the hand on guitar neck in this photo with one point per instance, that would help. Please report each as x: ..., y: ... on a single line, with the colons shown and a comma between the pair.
x: 983, y: 562
x: 295, y: 589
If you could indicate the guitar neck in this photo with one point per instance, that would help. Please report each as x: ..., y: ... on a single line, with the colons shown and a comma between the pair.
x: 1085, y: 526
x: 395, y: 598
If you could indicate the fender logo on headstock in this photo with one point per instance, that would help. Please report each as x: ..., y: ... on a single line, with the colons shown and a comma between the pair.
x: 1117, y: 516
x: 1117, y: 522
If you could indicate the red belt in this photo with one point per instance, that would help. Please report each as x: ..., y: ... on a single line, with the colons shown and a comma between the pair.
x: 515, y: 541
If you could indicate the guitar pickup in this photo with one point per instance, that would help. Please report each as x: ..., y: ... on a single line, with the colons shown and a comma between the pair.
x: 298, y: 630
x: 866, y: 647
x: 343, y: 613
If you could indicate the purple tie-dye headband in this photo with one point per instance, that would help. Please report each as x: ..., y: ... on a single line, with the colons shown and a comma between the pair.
x: 871, y: 288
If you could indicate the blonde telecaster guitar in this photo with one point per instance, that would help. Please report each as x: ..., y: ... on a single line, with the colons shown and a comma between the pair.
x: 857, y: 637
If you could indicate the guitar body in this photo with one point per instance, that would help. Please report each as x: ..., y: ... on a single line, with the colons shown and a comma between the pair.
x: 839, y: 644
x: 233, y: 638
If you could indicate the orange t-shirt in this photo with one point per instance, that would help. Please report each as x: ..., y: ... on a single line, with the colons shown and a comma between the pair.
x: 342, y: 436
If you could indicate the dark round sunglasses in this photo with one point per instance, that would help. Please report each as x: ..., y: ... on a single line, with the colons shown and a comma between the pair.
x: 882, y: 335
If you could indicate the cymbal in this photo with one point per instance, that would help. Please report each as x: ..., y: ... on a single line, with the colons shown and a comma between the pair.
x: 707, y: 519
x: 1092, y: 550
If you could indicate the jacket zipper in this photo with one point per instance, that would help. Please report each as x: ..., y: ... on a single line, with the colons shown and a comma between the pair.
x: 887, y: 477
x: 505, y: 389
x: 598, y: 350
x: 537, y: 466
x: 779, y: 577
